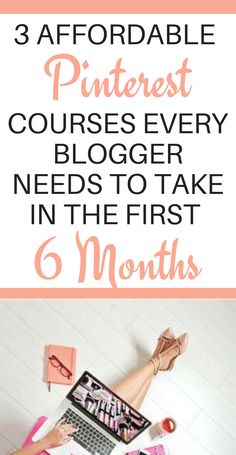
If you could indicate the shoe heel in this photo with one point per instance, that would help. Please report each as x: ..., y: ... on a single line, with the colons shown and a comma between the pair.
x: 183, y: 341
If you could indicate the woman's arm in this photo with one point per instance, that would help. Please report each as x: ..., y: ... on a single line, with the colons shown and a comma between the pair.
x: 58, y: 436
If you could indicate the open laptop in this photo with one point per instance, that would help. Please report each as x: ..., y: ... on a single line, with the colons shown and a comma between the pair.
x: 103, y: 419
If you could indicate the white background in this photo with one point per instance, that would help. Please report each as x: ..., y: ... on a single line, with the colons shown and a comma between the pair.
x: 26, y: 88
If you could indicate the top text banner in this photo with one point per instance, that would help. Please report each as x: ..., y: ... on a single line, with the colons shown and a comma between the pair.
x: 117, y: 166
x: 117, y: 7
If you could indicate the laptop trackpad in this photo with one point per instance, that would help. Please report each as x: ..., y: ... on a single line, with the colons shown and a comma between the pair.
x: 71, y: 448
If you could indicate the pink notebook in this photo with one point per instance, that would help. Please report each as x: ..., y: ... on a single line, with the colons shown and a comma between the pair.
x: 61, y: 363
x: 155, y: 450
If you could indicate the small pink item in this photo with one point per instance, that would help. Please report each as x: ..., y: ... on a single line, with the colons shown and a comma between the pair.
x: 155, y: 450
x: 34, y: 430
x: 61, y: 363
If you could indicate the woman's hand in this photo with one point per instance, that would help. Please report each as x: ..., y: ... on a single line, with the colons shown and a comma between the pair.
x: 59, y: 435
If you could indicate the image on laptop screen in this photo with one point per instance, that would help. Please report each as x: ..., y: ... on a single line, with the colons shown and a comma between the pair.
x: 110, y: 411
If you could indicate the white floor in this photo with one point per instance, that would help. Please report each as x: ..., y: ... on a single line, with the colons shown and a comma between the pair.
x: 112, y: 337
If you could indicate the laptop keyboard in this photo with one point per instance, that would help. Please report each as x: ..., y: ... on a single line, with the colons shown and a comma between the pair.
x: 87, y: 436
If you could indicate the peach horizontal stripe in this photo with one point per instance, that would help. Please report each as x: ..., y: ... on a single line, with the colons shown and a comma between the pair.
x: 120, y: 293
x: 117, y: 6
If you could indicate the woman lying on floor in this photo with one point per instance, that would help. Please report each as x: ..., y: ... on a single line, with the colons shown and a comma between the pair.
x: 132, y: 389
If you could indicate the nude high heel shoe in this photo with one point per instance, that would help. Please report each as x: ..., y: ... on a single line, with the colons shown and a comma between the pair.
x: 182, y: 343
x: 166, y: 338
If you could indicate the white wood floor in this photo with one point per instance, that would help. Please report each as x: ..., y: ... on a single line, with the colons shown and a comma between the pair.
x: 112, y: 337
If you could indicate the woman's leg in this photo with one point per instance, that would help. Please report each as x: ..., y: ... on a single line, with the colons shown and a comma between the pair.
x: 166, y: 338
x: 130, y: 387
x: 134, y: 387
x: 138, y: 401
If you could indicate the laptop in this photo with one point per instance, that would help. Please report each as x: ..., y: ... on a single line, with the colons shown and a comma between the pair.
x: 103, y: 419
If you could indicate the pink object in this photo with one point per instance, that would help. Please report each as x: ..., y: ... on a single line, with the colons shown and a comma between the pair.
x: 155, y: 450
x: 36, y: 427
x: 61, y: 362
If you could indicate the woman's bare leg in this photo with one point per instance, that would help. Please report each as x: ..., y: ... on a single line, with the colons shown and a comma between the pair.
x: 164, y: 342
x: 134, y: 387
x: 129, y: 388
x: 138, y: 401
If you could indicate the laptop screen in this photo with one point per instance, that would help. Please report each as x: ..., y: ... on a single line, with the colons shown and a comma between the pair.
x: 107, y: 409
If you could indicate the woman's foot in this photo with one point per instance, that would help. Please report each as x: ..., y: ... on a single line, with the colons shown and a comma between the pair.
x: 165, y: 340
x: 165, y: 360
